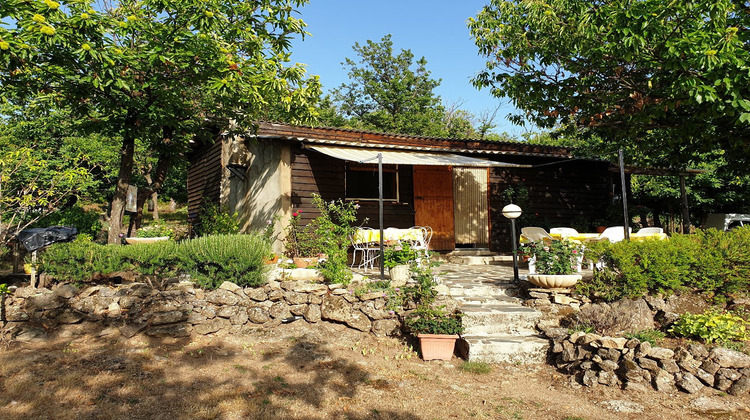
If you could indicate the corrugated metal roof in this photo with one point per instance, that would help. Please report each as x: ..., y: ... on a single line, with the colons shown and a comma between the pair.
x: 411, y: 157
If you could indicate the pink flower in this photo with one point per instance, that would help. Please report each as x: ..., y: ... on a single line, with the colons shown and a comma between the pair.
x: 546, y: 248
x: 575, y: 251
x: 295, y: 214
x: 299, y: 211
x: 391, y: 312
x: 356, y: 206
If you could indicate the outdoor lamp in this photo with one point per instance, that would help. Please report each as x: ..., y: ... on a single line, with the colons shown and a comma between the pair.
x: 512, y: 212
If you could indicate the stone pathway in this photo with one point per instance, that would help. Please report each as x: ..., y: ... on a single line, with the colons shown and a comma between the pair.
x: 498, y: 327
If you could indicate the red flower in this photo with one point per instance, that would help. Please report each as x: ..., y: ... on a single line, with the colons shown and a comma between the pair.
x: 295, y: 214
x: 299, y: 211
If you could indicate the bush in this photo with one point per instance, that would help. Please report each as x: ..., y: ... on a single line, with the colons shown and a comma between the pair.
x: 87, y: 222
x: 210, y: 260
x: 216, y: 221
x: 426, y: 320
x: 711, y: 262
x: 711, y: 326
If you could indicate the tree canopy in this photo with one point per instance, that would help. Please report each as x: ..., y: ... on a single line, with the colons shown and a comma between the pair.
x: 163, y: 72
x: 649, y: 75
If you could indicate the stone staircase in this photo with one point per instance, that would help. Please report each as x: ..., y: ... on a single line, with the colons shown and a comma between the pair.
x: 497, y: 327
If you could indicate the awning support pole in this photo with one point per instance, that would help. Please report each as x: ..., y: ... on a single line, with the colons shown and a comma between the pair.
x: 626, y: 218
x: 684, y: 206
x: 380, y: 214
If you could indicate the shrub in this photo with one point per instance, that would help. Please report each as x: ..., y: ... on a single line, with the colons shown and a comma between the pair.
x: 216, y: 221
x: 209, y: 260
x: 155, y: 230
x: 553, y: 257
x: 87, y: 222
x: 711, y: 326
x: 400, y: 254
x: 426, y: 320
x: 712, y: 262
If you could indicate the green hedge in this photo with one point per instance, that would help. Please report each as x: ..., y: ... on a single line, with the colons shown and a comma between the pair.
x: 209, y: 260
x: 712, y: 262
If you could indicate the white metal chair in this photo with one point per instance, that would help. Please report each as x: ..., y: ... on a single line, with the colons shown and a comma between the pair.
x: 614, y: 234
x: 423, y: 242
x: 563, y: 231
x: 650, y: 230
x: 368, y: 251
x: 535, y: 234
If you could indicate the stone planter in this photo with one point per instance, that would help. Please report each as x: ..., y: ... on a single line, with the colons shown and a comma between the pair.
x: 134, y: 240
x: 554, y: 280
x: 304, y: 262
x: 437, y: 346
x: 400, y: 274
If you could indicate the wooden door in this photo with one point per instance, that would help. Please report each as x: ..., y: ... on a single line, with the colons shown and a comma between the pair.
x: 471, y: 215
x: 433, y: 204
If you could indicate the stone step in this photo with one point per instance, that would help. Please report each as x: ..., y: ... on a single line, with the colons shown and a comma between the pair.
x: 478, y: 259
x: 498, y: 348
x: 500, y: 318
x: 479, y: 290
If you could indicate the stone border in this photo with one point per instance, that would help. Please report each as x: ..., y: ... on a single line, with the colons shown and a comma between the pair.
x: 182, y: 309
x: 632, y: 364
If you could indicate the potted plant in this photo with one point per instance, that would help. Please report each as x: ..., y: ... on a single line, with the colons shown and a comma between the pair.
x: 397, y: 258
x: 555, y: 262
x: 301, y: 243
x: 158, y: 231
x: 437, y: 331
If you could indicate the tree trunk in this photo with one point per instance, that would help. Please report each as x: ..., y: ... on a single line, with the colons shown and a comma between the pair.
x: 154, y: 187
x: 117, y: 207
x: 155, y: 200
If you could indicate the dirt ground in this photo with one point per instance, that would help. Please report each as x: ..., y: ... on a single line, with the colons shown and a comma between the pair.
x: 296, y: 371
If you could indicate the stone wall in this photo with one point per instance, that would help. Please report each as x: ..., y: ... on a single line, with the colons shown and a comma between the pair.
x: 181, y: 309
x: 616, y: 361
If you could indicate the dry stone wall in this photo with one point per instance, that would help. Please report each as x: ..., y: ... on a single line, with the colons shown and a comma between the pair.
x: 617, y: 361
x: 181, y: 309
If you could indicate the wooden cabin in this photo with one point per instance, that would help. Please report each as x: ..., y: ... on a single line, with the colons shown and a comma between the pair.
x: 455, y: 186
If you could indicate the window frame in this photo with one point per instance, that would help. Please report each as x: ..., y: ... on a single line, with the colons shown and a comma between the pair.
x: 372, y: 167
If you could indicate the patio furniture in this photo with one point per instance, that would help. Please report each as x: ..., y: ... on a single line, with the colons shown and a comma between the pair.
x: 364, y: 244
x: 534, y: 234
x: 613, y: 234
x: 563, y: 232
x: 650, y: 230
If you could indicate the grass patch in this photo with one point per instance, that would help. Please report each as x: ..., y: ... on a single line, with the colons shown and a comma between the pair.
x: 651, y: 336
x: 476, y: 367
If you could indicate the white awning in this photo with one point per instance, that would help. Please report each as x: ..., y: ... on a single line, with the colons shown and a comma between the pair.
x: 398, y: 157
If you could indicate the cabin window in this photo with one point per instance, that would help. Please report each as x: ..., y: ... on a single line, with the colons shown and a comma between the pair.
x: 362, y: 182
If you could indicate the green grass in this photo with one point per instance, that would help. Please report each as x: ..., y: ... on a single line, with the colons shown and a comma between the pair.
x: 651, y: 336
x: 476, y: 367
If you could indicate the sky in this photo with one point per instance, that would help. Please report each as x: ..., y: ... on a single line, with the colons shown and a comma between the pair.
x: 434, y: 29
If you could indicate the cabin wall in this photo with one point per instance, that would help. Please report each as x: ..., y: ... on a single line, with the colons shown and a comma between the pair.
x: 557, y: 193
x: 316, y: 173
x: 204, y: 177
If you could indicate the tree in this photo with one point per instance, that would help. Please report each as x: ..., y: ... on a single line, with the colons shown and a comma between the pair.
x: 648, y: 75
x: 162, y: 72
x: 391, y: 93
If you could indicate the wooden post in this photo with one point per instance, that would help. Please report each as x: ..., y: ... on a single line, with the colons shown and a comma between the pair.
x: 684, y: 206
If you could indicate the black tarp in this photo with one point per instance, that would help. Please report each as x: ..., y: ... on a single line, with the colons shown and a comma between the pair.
x: 36, y: 238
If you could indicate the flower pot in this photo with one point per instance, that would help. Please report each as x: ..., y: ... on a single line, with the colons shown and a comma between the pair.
x: 551, y: 281
x: 134, y: 240
x: 304, y: 262
x: 400, y: 274
x: 437, y: 346
x: 272, y: 260
x: 600, y: 229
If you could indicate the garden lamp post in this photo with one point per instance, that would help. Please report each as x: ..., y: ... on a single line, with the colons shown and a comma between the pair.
x: 512, y: 212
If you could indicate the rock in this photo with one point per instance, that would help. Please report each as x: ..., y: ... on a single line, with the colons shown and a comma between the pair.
x: 69, y: 316
x: 65, y: 291
x: 371, y: 296
x: 131, y: 329
x: 660, y: 353
x: 222, y: 297
x: 632, y: 343
x: 375, y: 314
x: 669, y: 365
x: 557, y: 334
x: 590, y: 379
x: 279, y: 310
x: 643, y: 349
x: 638, y: 387
x: 294, y: 298
x: 386, y: 327
x: 227, y: 311
x: 729, y: 358
x: 239, y: 318
x: 710, y: 367
x: 714, y: 405
x: 608, y: 378
x: 631, y: 372
x: 622, y: 406
x: 336, y: 308
x: 740, y: 386
x: 313, y: 299
x: 730, y: 374
x: 275, y: 295
x: 663, y: 381
x: 43, y: 301
x: 609, y: 354
x: 258, y: 315
x: 564, y: 300
x: 705, y: 377
x: 689, y: 383
x: 231, y: 287
x: 314, y: 288
x: 608, y: 365
x: 173, y: 330
x: 312, y: 313
x: 698, y: 350
x: 209, y: 312
x: 587, y: 339
x: 170, y: 317
x: 613, y: 342
x: 568, y: 353
x: 298, y: 309
x: 626, y: 315
x: 256, y: 294
x: 212, y: 326
x: 689, y: 364
x: 648, y: 364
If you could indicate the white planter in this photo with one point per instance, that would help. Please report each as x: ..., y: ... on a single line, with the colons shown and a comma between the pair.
x: 551, y: 281
x: 400, y: 274
x: 134, y: 240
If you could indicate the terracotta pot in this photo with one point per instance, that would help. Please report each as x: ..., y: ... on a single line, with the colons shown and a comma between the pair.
x: 551, y: 281
x: 304, y: 262
x: 437, y: 346
x: 600, y: 229
x: 273, y: 260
